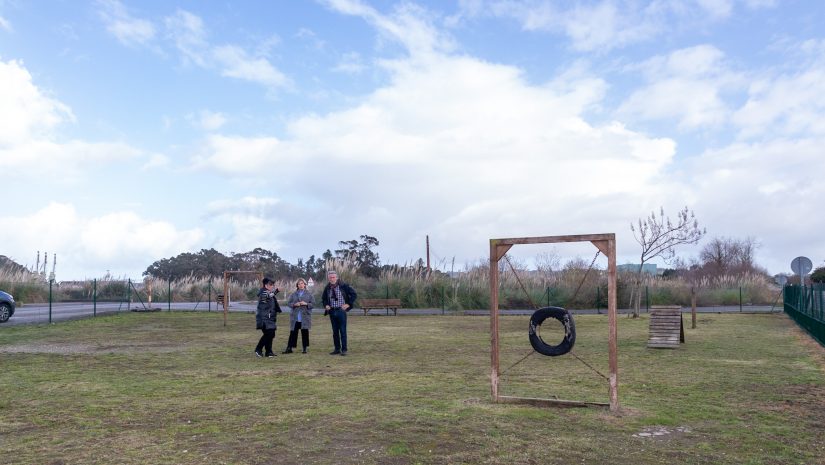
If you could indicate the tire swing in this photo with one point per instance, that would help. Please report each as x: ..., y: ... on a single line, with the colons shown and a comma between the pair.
x: 565, y: 318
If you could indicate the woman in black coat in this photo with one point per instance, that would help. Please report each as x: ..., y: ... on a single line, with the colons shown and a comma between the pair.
x: 265, y: 317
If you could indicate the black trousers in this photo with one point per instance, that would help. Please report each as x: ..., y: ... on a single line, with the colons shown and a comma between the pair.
x: 266, y: 340
x: 293, y: 336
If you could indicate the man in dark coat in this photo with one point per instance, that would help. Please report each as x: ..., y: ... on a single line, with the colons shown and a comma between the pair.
x: 265, y: 317
x: 338, y: 298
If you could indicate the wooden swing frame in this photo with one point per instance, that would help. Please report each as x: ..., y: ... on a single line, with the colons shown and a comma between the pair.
x: 226, y: 275
x: 606, y: 243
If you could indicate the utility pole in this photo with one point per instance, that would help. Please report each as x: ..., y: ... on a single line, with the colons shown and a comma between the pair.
x: 428, y: 252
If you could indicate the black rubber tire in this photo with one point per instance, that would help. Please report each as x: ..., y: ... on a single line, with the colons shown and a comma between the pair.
x: 5, y: 312
x: 566, y: 319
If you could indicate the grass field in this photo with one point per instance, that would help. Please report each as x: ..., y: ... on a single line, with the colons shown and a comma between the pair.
x: 180, y: 388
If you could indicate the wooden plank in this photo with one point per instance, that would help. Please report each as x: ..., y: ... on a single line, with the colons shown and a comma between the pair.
x: 665, y: 327
x: 555, y: 239
x: 549, y: 402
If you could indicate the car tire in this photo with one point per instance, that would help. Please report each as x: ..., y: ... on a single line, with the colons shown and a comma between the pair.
x: 566, y: 319
x: 5, y: 312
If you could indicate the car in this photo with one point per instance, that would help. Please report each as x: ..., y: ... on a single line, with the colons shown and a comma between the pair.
x: 6, y: 306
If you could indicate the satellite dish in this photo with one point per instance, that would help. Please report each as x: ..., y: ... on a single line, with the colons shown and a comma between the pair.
x: 801, y: 265
x: 781, y: 279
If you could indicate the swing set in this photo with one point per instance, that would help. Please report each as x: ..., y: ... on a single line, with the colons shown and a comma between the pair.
x: 606, y: 244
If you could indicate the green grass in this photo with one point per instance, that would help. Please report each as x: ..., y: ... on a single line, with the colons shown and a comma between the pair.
x: 180, y: 388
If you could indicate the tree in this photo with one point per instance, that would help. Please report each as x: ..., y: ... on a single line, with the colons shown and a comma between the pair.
x: 723, y: 256
x: 659, y: 236
x: 361, y: 254
x: 818, y: 276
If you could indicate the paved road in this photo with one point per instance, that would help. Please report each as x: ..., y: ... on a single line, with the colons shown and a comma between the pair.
x: 39, y: 313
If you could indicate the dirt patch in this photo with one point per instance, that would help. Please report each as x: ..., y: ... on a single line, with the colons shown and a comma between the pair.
x: 73, y: 348
x: 661, y: 432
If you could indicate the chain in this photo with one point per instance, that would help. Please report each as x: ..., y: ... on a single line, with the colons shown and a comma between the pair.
x: 520, y: 283
x: 575, y: 294
x: 585, y: 276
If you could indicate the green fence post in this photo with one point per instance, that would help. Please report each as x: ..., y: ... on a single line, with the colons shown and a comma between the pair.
x: 129, y: 294
x: 388, y: 290
x: 443, y: 301
x: 598, y: 298
x: 740, y: 299
x: 94, y: 297
x: 50, y: 300
x: 548, y: 295
x: 169, y: 295
x: 210, y: 295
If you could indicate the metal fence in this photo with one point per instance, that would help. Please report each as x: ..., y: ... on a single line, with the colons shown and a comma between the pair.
x: 93, y: 298
x: 806, y: 306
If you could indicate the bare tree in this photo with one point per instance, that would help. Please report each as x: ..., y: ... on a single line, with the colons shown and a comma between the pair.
x: 723, y: 256
x: 547, y: 264
x: 659, y: 236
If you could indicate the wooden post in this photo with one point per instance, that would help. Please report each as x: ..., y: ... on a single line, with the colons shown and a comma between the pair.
x: 608, y: 247
x: 613, y: 327
x: 494, y: 362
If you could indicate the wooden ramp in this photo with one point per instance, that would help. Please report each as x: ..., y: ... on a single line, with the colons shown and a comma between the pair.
x: 666, y: 327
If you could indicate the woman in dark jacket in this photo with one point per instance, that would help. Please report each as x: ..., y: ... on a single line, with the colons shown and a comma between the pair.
x: 301, y: 302
x: 265, y: 317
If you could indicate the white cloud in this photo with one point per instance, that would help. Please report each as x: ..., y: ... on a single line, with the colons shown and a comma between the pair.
x: 189, y: 34
x: 207, y: 120
x: 84, y: 243
x: 25, y: 112
x: 253, y: 221
x: 785, y: 105
x: 770, y: 180
x: 236, y: 63
x: 5, y: 24
x: 687, y: 86
x: 69, y: 160
x: 350, y: 63
x: 443, y: 138
x: 238, y: 155
x: 409, y: 25
x: 28, y: 123
x: 156, y: 160
x: 125, y: 27
x: 607, y: 24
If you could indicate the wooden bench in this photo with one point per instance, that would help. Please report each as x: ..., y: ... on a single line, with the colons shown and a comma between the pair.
x: 219, y: 300
x: 388, y: 304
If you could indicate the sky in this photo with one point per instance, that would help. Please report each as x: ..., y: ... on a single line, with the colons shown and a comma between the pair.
x: 132, y: 131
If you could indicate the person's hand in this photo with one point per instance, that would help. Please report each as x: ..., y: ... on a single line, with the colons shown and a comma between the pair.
x: 327, y: 307
x: 345, y: 307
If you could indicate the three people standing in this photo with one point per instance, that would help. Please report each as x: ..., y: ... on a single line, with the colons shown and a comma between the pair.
x: 338, y: 298
x: 301, y: 302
